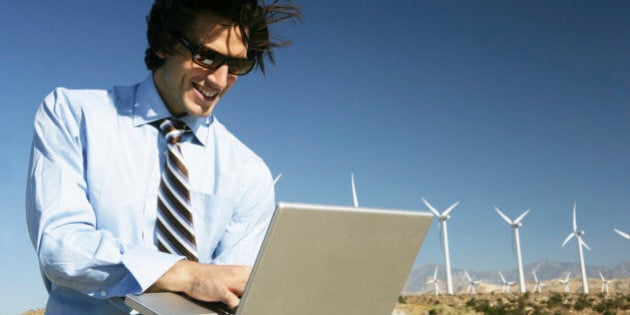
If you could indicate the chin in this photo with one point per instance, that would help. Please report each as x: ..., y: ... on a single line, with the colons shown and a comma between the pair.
x: 197, y: 108
x: 200, y: 111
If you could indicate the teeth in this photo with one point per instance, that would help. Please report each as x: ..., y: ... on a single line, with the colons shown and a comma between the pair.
x: 205, y: 92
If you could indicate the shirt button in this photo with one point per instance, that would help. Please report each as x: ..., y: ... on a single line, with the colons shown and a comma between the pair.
x: 103, y: 293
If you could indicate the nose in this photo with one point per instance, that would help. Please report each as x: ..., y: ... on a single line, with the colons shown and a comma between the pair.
x: 218, y: 77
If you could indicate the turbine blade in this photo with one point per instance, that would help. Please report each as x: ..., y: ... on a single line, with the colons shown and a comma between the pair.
x: 355, y: 201
x: 502, y: 277
x: 574, y: 220
x: 518, y: 220
x: 505, y: 217
x: 601, y: 275
x: 435, y: 212
x: 467, y: 275
x: 567, y: 239
x: 447, y: 211
x: 275, y: 180
x: 583, y: 243
x: 624, y: 235
x: 535, y: 278
x: 436, y: 271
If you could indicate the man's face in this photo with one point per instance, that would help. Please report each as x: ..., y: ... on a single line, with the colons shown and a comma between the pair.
x: 187, y: 88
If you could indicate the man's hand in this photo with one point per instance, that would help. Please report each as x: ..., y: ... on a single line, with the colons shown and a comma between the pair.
x: 210, y: 283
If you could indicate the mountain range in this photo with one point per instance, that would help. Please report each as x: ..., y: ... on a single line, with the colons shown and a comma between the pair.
x: 545, y: 270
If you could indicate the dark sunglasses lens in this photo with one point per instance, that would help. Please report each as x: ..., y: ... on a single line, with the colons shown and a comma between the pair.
x: 240, y: 66
x: 212, y: 60
x: 208, y: 59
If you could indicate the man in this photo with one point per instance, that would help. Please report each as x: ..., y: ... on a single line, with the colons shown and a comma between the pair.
x: 140, y: 188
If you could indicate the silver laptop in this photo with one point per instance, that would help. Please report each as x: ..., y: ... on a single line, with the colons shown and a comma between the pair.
x: 319, y: 259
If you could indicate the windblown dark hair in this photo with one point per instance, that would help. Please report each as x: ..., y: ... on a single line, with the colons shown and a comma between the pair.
x: 253, y: 19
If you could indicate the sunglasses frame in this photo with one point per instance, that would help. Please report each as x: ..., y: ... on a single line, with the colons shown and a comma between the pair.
x: 218, y: 60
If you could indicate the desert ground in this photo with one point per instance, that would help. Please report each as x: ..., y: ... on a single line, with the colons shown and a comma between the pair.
x: 553, y: 300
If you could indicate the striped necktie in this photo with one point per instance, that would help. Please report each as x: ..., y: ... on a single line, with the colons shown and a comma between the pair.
x: 175, y: 230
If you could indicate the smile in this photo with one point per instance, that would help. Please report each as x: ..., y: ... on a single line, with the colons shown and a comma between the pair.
x: 204, y: 92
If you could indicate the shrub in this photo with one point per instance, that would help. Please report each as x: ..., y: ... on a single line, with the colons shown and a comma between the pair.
x: 402, y: 299
x: 582, y: 302
x: 556, y: 300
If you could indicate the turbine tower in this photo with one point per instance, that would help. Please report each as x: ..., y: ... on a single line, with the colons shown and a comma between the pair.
x: 580, y: 243
x: 471, y: 284
x: 517, y: 244
x: 604, y: 283
x: 506, y: 285
x: 434, y: 280
x: 565, y: 281
x: 275, y: 180
x: 624, y: 235
x: 442, y: 225
x: 537, y: 284
x: 355, y: 201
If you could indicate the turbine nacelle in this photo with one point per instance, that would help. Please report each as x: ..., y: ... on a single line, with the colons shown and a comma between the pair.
x: 441, y: 216
x: 517, y: 222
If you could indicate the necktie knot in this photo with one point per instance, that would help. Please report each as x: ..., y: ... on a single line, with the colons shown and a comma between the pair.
x: 173, y: 130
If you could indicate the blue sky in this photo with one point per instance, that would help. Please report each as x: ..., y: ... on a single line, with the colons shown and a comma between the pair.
x: 520, y: 105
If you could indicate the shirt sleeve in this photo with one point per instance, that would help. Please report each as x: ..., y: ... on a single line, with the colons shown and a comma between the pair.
x: 72, y: 252
x: 255, y: 203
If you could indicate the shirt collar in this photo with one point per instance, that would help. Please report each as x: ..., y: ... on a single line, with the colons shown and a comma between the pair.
x: 149, y: 107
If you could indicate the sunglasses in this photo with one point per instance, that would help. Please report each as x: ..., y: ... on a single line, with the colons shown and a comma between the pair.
x: 212, y: 60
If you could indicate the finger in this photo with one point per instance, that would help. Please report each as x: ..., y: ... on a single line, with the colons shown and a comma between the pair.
x: 237, y: 290
x: 238, y: 279
x: 230, y: 299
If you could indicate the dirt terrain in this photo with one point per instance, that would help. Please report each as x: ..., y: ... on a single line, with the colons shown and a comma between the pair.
x: 528, y: 303
x: 551, y: 301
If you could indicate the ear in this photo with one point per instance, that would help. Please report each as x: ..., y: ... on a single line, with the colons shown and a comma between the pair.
x: 160, y: 54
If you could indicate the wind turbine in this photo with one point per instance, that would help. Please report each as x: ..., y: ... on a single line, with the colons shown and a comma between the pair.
x: 517, y: 244
x: 580, y: 243
x: 354, y: 192
x: 434, y: 280
x: 442, y: 225
x: 624, y: 235
x: 471, y: 284
x: 506, y: 285
x: 565, y: 281
x: 537, y: 284
x: 275, y: 180
x: 604, y: 282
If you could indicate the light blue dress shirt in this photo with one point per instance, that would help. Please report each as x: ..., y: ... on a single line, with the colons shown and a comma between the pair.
x: 91, y: 197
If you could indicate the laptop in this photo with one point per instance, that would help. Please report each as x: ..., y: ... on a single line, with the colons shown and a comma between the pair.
x: 319, y: 259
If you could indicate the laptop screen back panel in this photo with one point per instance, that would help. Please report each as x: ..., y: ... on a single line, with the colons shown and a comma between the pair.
x: 334, y: 260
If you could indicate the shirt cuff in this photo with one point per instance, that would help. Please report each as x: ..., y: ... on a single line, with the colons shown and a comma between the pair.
x: 148, y: 265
